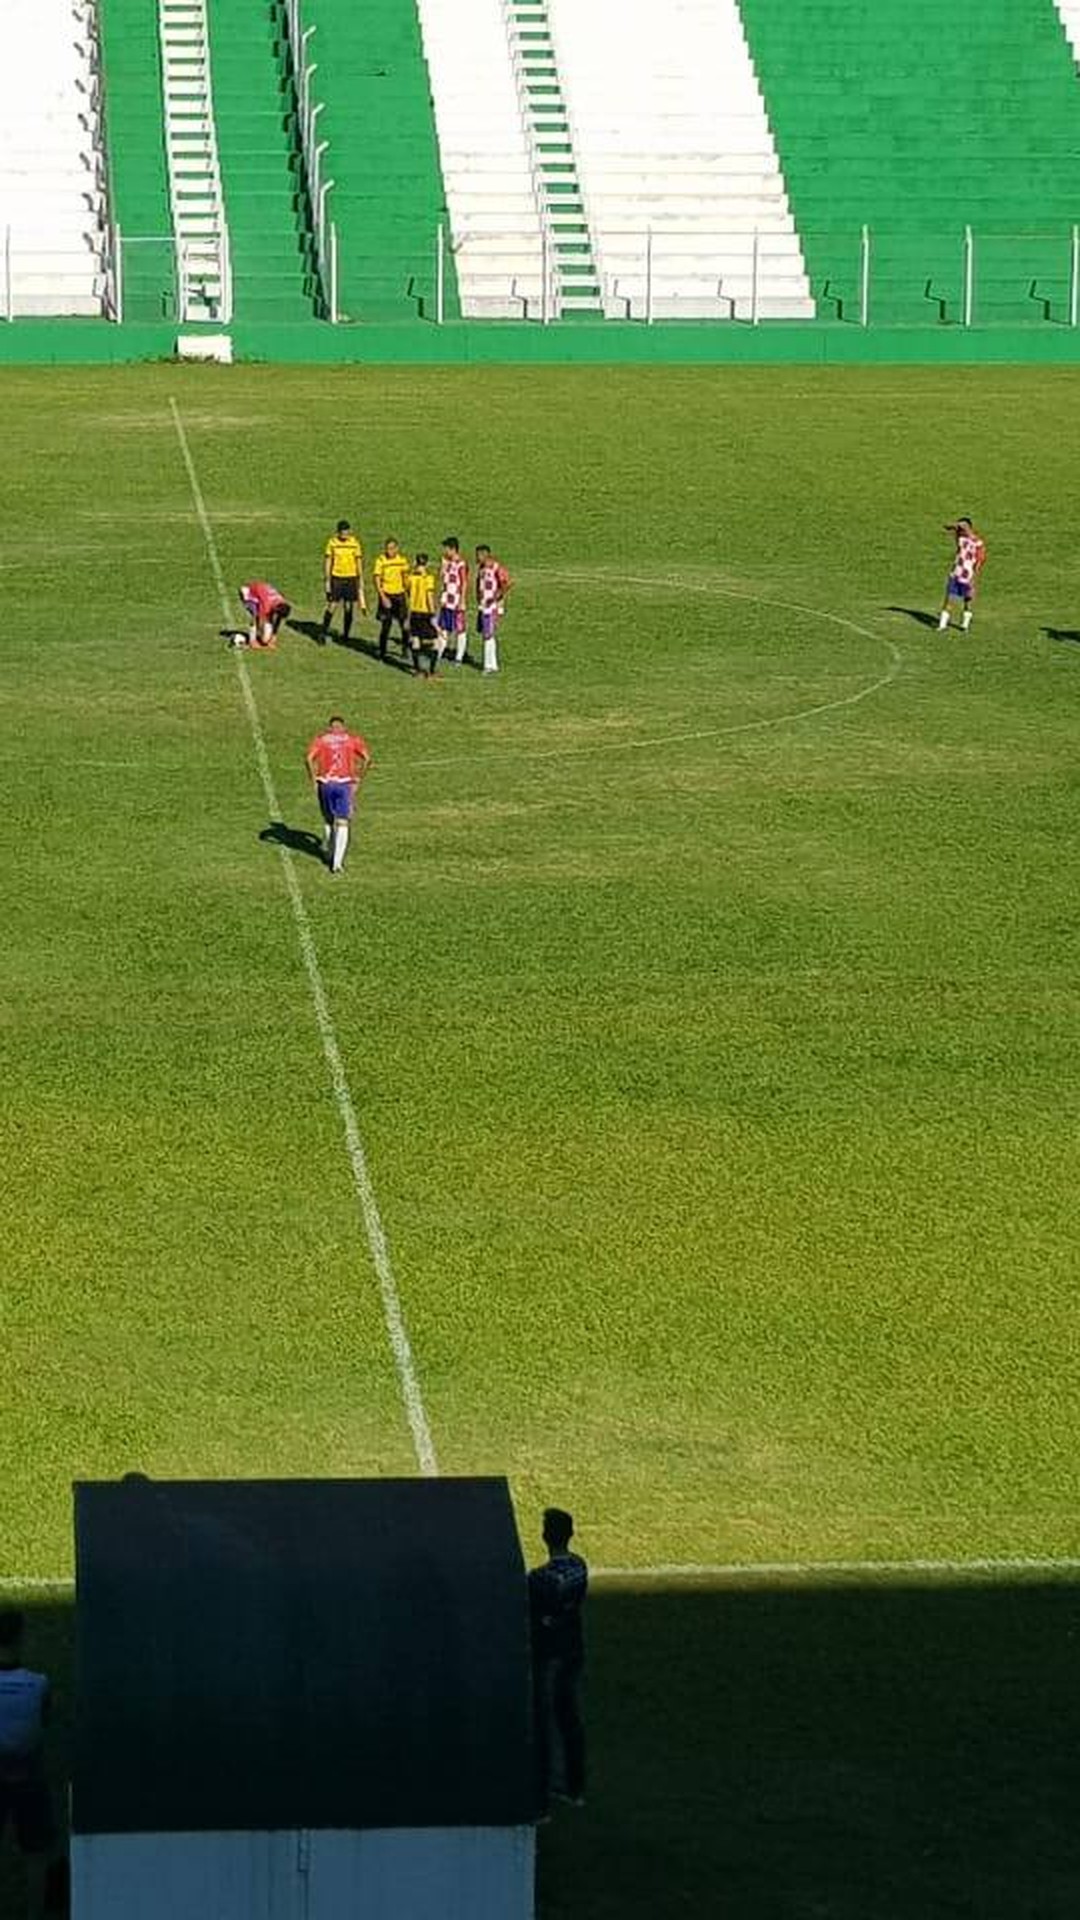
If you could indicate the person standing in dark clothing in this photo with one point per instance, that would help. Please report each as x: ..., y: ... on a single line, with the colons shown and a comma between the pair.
x: 557, y: 1593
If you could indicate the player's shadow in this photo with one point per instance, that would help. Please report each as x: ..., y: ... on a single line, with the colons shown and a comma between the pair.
x: 297, y: 839
x: 310, y: 630
x: 918, y: 614
x: 1062, y: 633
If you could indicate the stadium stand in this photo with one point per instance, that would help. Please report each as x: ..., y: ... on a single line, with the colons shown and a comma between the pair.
x: 135, y: 139
x: 573, y: 269
x: 672, y: 139
x: 53, y: 206
x: 273, y: 271
x: 1069, y: 15
x: 897, y: 117
x: 492, y: 194
x: 195, y: 187
x: 388, y: 198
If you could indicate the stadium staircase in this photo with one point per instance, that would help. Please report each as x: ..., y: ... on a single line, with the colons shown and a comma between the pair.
x: 138, y: 173
x: 576, y: 287
x: 273, y: 270
x: 492, y: 193
x: 53, y: 206
x: 388, y: 201
x: 919, y: 123
x: 198, y: 206
x: 682, y: 185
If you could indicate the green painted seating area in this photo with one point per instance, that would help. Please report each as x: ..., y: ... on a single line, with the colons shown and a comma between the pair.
x: 383, y: 156
x: 274, y: 275
x: 135, y: 139
x: 919, y: 121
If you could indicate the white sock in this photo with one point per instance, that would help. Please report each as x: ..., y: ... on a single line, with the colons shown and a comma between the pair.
x: 491, y: 655
x: 440, y: 649
x: 966, y: 621
x: 339, y: 843
x: 459, y: 649
x: 943, y: 623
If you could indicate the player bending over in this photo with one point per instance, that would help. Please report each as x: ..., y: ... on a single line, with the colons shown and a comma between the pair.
x: 337, y: 761
x: 967, y: 566
x: 267, y: 608
x: 453, y: 600
x: 493, y: 584
x: 343, y: 571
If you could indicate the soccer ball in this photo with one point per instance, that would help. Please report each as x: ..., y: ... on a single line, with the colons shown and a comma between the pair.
x: 239, y: 640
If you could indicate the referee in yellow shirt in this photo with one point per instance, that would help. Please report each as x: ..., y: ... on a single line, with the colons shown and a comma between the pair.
x: 391, y: 572
x: 343, y: 569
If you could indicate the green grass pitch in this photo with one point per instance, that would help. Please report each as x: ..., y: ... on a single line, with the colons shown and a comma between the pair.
x: 707, y: 988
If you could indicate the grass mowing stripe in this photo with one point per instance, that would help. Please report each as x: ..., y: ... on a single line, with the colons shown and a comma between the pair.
x: 393, y: 1313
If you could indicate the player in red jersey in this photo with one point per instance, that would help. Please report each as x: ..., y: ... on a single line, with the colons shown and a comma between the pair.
x: 493, y: 584
x: 967, y: 565
x: 267, y: 608
x: 453, y: 601
x: 337, y: 761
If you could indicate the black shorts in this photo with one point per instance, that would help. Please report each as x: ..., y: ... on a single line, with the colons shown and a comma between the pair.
x: 396, y: 608
x: 279, y: 614
x: 27, y: 1804
x: 421, y: 626
x: 341, y: 588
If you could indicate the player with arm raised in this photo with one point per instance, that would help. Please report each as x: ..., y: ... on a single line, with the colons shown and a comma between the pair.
x: 337, y: 762
x: 968, y: 563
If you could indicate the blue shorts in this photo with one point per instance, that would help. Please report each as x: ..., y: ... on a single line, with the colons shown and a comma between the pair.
x: 335, y: 799
x: 958, y: 589
x: 487, y: 623
x: 451, y: 620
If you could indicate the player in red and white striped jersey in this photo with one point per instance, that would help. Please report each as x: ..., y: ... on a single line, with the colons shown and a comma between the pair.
x: 968, y: 563
x: 453, y: 600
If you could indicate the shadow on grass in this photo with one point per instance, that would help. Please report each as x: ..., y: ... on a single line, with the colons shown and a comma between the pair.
x: 1061, y: 633
x: 308, y: 629
x: 848, y: 1753
x: 918, y: 614
x: 297, y: 839
x: 806, y: 1753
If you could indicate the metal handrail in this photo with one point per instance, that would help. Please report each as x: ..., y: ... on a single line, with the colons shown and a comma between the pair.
x: 312, y: 151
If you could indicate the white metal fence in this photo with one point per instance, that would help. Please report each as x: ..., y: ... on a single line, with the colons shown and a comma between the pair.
x: 971, y: 277
x: 966, y: 277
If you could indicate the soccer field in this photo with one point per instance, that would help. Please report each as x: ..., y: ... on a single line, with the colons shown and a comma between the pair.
x: 706, y: 990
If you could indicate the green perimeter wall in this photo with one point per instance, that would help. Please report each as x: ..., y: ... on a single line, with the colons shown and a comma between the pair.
x: 138, y: 169
x: 611, y: 342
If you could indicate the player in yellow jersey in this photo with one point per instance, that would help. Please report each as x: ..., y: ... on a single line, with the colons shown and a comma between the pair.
x: 391, y: 573
x: 422, y: 631
x: 343, y: 571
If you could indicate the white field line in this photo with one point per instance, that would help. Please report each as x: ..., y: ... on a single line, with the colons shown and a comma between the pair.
x: 749, y: 1572
x: 668, y: 583
x: 393, y: 1314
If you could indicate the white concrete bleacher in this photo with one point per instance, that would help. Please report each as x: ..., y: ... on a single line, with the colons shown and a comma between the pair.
x: 53, y: 201
x: 1069, y: 14
x: 491, y: 193
x: 672, y: 141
